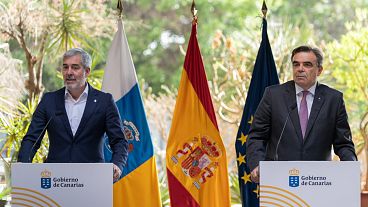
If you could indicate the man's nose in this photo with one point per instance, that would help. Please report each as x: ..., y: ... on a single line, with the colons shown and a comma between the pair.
x: 301, y: 68
x: 68, y: 70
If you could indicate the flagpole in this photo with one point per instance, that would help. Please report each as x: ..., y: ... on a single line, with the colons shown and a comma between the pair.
x: 264, y: 9
x: 194, y: 11
x: 120, y: 9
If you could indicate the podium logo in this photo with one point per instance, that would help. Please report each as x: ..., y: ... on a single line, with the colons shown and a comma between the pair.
x: 294, y: 177
x: 45, y: 179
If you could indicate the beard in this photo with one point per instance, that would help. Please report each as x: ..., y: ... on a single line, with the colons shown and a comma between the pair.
x: 75, y: 85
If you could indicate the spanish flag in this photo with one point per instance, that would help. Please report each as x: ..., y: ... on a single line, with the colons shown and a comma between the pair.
x: 195, y: 155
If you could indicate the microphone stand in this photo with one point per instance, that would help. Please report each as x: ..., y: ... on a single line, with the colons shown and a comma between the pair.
x: 291, y: 108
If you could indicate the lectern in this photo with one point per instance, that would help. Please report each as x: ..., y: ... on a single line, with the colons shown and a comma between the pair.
x: 62, y: 184
x: 309, y: 183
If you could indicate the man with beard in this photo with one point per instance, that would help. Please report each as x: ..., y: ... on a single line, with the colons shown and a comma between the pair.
x: 76, y: 118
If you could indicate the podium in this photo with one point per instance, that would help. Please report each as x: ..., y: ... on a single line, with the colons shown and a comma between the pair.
x: 62, y: 184
x: 309, y: 183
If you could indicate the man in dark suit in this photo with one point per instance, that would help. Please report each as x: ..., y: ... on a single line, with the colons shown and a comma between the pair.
x: 76, y: 118
x: 300, y: 119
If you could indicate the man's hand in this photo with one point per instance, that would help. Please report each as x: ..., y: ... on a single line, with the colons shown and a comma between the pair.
x: 116, y: 172
x: 254, y: 175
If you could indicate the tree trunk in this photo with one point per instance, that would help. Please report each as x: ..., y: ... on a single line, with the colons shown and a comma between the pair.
x: 30, y: 84
x: 34, y: 66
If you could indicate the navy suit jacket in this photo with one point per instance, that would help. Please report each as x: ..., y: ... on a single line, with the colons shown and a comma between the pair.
x: 99, y: 117
x: 327, y: 127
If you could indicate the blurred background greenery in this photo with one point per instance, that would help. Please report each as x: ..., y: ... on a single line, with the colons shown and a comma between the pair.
x: 34, y: 34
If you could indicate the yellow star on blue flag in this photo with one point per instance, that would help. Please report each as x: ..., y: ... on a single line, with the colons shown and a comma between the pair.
x: 241, y: 159
x: 243, y: 138
x: 246, y: 178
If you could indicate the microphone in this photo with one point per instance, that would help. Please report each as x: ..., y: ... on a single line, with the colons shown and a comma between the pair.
x: 38, y: 139
x: 290, y: 109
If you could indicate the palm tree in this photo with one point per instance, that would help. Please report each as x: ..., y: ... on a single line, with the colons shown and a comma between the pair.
x: 48, y: 28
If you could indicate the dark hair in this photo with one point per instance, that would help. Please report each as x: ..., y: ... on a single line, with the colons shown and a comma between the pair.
x: 305, y: 48
x: 86, y: 59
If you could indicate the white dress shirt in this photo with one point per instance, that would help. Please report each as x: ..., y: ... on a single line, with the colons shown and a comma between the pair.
x: 299, y: 95
x: 75, y: 108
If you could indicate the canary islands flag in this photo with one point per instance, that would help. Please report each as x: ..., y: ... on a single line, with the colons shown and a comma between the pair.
x: 138, y: 185
x: 195, y: 155
x: 264, y: 74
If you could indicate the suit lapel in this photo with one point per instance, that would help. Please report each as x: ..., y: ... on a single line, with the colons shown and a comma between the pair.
x: 89, y: 109
x: 60, y: 110
x: 290, y: 100
x: 316, y: 107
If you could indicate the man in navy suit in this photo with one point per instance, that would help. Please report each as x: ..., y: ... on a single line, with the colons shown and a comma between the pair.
x: 300, y: 119
x: 76, y: 118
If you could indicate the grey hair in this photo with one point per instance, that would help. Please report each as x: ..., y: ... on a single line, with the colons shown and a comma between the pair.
x: 86, y: 59
x: 305, y: 48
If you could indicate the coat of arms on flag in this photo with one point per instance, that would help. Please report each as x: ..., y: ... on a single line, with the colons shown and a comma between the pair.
x: 198, y: 159
x: 131, y: 133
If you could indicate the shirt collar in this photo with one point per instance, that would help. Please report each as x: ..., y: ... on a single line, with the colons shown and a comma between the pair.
x: 84, y: 93
x: 311, y: 90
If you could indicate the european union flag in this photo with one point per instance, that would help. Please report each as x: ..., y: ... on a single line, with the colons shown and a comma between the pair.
x: 264, y: 74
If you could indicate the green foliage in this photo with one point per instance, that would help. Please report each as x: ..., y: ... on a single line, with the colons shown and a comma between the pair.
x: 348, y: 67
x: 42, y: 30
x: 67, y: 30
x: 5, y: 192
x: 234, y: 188
x: 14, y: 124
x: 164, y: 190
x: 157, y: 32
x: 325, y: 18
x: 95, y: 78
x: 159, y: 61
x: 52, y: 78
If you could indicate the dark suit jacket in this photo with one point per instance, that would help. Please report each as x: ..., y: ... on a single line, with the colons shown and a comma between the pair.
x: 100, y: 116
x: 327, y: 126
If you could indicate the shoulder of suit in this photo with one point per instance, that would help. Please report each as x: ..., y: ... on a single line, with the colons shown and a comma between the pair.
x: 328, y: 90
x: 291, y: 84
x: 98, y: 92
x: 281, y: 86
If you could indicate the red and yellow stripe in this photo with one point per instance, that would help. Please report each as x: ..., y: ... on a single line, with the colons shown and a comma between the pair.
x: 194, y: 116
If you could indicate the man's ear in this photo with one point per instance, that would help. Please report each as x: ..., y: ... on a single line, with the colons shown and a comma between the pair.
x: 88, y: 71
x: 320, y: 69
